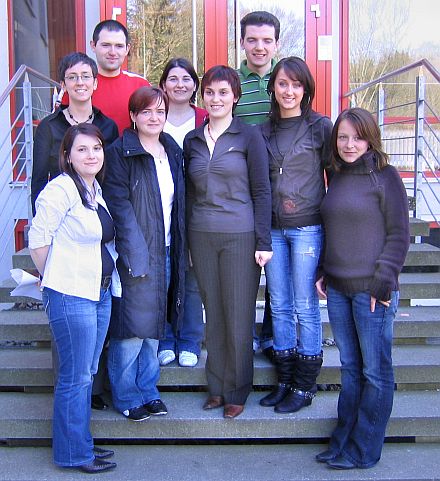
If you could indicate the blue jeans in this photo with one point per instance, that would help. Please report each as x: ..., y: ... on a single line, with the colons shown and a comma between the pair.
x: 133, y: 367
x: 190, y: 336
x: 364, y: 340
x: 79, y: 327
x: 291, y: 281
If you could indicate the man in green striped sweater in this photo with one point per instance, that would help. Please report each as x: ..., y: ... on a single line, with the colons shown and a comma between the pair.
x: 260, y: 32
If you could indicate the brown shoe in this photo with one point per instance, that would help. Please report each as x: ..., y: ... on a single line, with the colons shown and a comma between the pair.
x: 213, y: 402
x: 233, y: 410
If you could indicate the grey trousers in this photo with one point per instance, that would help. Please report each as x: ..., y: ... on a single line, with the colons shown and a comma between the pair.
x: 228, y: 279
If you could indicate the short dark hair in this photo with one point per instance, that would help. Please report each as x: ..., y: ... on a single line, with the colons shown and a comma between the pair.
x: 260, y: 18
x: 219, y: 73
x: 112, y: 26
x: 296, y: 69
x: 143, y: 97
x: 367, y: 129
x: 74, y: 58
x: 66, y: 166
x: 186, y: 65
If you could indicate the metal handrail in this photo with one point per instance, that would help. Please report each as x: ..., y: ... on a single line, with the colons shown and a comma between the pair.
x: 17, y: 149
x: 420, y: 63
x: 21, y: 71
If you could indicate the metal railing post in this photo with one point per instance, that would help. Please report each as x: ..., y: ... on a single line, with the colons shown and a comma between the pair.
x: 28, y: 136
x: 381, y: 108
x: 419, y: 141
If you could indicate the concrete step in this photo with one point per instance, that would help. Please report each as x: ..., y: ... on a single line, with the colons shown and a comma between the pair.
x: 420, y: 285
x: 24, y: 325
x: 424, y: 285
x: 410, y: 322
x: 283, y: 462
x: 22, y: 259
x: 412, y: 365
x: 418, y: 227
x: 26, y: 415
x: 422, y: 255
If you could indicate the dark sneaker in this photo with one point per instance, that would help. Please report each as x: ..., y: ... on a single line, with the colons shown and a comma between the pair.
x: 137, y: 414
x: 156, y: 408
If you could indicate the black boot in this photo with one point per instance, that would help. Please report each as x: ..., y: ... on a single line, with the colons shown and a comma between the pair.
x: 304, y: 387
x: 285, y: 365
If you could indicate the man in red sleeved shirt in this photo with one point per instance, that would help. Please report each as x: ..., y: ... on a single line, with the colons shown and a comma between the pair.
x: 111, y: 45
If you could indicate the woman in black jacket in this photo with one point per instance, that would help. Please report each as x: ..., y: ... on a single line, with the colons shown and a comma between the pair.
x: 298, y: 140
x: 144, y: 190
x: 365, y: 214
x: 77, y: 74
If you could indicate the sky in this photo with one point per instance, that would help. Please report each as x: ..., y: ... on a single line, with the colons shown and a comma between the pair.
x: 424, y: 24
x: 423, y: 18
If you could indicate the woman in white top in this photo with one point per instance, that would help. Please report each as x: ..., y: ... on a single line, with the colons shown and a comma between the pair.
x: 145, y: 192
x: 71, y: 241
x: 180, y: 81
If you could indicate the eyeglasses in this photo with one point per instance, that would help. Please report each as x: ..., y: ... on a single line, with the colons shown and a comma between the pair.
x: 74, y: 78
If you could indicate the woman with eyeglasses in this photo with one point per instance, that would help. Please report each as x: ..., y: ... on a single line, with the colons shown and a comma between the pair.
x: 77, y: 74
x: 145, y: 193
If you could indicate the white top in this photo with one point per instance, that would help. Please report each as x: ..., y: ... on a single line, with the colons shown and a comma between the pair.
x: 74, y: 233
x: 166, y: 187
x: 178, y: 132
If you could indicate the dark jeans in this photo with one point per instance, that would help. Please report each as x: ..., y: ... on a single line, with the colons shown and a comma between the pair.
x: 364, y: 340
x: 190, y: 336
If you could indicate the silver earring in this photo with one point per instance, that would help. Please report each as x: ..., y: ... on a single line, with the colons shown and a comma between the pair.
x: 134, y: 124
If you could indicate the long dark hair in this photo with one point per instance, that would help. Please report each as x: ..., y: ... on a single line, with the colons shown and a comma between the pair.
x: 64, y: 159
x: 296, y: 69
x: 186, y: 65
x: 367, y: 129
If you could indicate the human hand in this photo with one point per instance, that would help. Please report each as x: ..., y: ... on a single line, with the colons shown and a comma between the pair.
x: 320, y: 287
x: 263, y: 257
x: 373, y: 301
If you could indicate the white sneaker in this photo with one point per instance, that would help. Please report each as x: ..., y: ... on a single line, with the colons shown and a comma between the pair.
x: 166, y: 356
x: 188, y: 359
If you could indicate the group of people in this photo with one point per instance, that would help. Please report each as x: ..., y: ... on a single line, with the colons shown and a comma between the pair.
x: 155, y: 206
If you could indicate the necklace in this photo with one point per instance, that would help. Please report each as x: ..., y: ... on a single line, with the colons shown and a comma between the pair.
x: 90, y: 117
x: 210, y: 134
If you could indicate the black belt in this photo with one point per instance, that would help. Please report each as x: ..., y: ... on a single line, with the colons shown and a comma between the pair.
x: 106, y: 282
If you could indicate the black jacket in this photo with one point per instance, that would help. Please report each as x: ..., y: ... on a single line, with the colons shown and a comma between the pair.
x: 47, y: 142
x: 298, y: 185
x: 131, y: 190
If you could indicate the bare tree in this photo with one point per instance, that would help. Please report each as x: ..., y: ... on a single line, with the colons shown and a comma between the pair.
x: 374, y: 42
x: 160, y: 29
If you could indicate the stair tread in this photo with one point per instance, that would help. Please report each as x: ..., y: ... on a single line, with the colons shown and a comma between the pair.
x: 32, y: 325
x: 419, y: 278
x: 26, y: 415
x: 32, y: 366
x: 409, y: 462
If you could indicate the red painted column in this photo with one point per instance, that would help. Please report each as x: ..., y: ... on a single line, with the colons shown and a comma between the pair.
x: 216, y: 33
x: 318, y: 21
x: 344, y: 59
x: 80, y: 25
x: 106, y: 12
